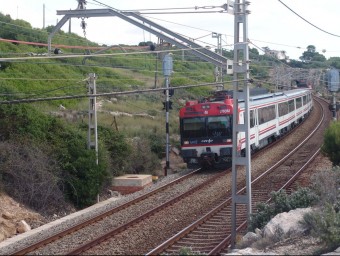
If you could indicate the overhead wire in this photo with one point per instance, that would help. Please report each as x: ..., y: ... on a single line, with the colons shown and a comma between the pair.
x: 109, y: 94
x: 276, y: 59
x: 41, y: 31
x: 97, y: 55
x: 175, y: 8
x: 307, y: 20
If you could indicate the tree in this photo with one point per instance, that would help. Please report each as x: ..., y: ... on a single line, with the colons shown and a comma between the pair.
x: 254, y: 52
x: 334, y: 62
x: 331, y: 146
x: 312, y: 55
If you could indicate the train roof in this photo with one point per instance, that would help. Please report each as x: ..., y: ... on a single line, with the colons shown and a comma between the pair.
x: 272, y: 97
x: 223, y: 102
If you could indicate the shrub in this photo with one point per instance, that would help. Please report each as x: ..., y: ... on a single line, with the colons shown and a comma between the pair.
x: 157, y: 144
x: 188, y: 251
x: 144, y: 160
x: 331, y: 146
x: 325, y: 184
x: 82, y: 176
x: 31, y: 175
x: 325, y: 224
x: 117, y: 148
x: 281, y: 202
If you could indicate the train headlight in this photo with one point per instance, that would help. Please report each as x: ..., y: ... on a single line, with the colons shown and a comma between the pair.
x: 186, y: 142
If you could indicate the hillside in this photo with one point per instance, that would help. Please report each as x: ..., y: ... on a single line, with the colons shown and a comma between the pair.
x: 48, y: 136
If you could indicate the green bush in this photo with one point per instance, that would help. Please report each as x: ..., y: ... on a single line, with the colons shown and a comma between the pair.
x: 144, y: 160
x: 331, y: 146
x: 157, y: 144
x: 281, y: 202
x: 326, y: 185
x: 117, y: 148
x: 188, y: 251
x: 83, y: 178
x: 325, y: 224
x: 325, y: 221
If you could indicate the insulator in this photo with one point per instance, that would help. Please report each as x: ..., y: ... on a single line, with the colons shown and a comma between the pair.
x: 83, y: 24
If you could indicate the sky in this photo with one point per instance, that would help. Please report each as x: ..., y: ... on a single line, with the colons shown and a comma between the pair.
x: 270, y: 23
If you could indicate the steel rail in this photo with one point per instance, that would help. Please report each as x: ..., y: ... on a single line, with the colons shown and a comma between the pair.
x: 162, y: 247
x: 75, y: 227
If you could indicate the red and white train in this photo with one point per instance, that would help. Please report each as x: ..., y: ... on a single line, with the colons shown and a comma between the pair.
x: 206, y: 127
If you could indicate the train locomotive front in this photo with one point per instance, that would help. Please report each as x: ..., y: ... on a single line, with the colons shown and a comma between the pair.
x: 206, y: 132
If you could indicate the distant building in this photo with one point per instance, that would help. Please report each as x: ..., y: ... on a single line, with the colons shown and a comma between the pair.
x: 281, y: 55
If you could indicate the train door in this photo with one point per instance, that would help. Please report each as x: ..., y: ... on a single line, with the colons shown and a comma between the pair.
x: 277, y: 120
x: 254, y: 128
x: 240, y: 135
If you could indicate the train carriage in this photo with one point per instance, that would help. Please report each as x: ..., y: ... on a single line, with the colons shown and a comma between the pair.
x: 206, y: 127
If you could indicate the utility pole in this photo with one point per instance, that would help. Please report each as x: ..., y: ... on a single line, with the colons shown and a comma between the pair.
x: 218, y: 69
x: 69, y: 26
x: 333, y: 82
x: 167, y: 70
x: 240, y: 91
x: 43, y: 16
x: 92, y: 136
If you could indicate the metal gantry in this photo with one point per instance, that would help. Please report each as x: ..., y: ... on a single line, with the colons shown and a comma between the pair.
x: 147, y: 25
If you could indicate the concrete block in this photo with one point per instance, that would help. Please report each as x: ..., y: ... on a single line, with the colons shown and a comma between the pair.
x: 131, y: 183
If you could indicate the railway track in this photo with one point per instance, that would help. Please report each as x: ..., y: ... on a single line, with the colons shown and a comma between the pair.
x: 211, y: 234
x: 98, y: 240
x: 152, y: 196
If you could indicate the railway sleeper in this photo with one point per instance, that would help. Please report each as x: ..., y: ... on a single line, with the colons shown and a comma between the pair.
x: 209, y: 232
x: 199, y: 240
x: 210, y: 236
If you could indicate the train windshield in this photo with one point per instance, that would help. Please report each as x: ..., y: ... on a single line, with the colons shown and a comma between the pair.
x: 212, y: 126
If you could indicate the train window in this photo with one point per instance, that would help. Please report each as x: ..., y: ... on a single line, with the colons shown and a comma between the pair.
x: 266, y: 114
x: 219, y: 126
x: 252, y: 118
x: 291, y: 106
x: 304, y: 100
x: 298, y: 102
x: 193, y: 127
x: 283, y: 108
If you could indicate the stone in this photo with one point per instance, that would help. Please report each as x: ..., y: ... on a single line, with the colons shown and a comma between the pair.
x: 258, y: 232
x: 286, y: 222
x: 7, y: 216
x: 22, y: 227
x: 7, y: 229
x: 250, y: 238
